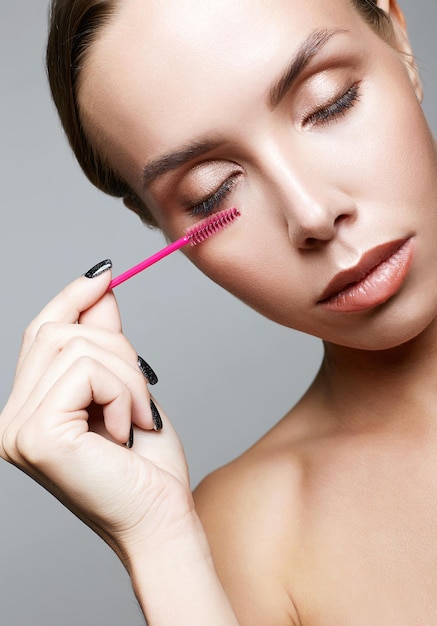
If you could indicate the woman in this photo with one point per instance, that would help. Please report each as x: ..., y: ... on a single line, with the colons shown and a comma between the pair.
x: 307, y: 117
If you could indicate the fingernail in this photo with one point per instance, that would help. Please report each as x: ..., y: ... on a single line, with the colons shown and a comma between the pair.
x: 130, y: 441
x: 98, y: 269
x: 147, y: 371
x: 157, y: 421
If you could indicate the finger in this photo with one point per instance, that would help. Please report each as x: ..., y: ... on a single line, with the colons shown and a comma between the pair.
x: 52, y: 338
x: 164, y: 449
x: 77, y: 349
x: 60, y: 421
x: 67, y: 306
x: 103, y: 314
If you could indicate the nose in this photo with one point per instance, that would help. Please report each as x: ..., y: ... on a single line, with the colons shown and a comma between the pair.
x: 318, y: 225
x: 315, y: 210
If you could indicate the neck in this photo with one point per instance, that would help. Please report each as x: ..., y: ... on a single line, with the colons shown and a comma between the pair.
x: 382, y: 388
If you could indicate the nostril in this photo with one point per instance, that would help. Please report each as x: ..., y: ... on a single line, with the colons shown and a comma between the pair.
x: 317, y: 226
x: 311, y: 242
x: 339, y: 219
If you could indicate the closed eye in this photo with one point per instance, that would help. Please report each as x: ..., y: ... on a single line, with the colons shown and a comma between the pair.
x: 215, y: 200
x: 332, y: 111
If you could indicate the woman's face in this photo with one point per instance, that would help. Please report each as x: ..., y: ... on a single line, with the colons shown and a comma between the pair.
x: 299, y: 114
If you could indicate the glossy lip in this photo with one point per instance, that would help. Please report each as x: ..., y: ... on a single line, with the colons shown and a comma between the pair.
x: 349, y: 280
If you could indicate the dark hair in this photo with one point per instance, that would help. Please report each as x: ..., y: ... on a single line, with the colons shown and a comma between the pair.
x: 73, y: 26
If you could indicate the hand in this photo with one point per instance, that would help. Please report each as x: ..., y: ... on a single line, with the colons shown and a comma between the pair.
x: 77, y: 390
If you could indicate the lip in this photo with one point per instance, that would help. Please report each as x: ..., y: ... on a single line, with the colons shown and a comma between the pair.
x: 379, y: 274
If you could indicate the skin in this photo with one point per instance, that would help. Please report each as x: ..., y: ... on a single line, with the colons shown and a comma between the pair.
x: 325, y: 501
x: 330, y: 518
x: 305, y: 218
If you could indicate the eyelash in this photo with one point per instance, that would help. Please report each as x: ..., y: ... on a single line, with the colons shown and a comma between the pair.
x: 329, y: 113
x: 214, y: 201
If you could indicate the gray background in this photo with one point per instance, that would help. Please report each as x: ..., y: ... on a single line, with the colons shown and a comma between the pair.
x: 226, y: 374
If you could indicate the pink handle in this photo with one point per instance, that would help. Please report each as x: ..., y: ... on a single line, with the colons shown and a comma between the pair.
x: 179, y: 243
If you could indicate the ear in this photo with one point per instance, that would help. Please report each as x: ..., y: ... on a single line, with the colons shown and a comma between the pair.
x: 402, y: 42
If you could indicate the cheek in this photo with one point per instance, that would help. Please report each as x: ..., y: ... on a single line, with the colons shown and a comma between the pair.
x: 397, y: 155
x: 236, y: 264
x: 260, y: 272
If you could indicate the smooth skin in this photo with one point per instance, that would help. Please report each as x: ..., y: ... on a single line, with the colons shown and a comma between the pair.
x: 314, y: 197
x: 330, y: 518
x: 77, y: 388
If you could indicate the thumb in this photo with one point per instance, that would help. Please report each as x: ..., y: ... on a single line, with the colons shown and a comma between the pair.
x: 104, y: 313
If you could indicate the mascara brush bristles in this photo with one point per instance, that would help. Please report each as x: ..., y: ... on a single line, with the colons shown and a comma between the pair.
x: 196, y: 234
x: 211, y: 225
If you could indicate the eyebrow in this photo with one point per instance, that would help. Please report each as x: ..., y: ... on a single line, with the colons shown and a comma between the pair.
x: 171, y: 161
x: 314, y: 44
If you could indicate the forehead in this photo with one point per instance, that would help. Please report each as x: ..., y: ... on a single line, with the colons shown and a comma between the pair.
x: 175, y: 63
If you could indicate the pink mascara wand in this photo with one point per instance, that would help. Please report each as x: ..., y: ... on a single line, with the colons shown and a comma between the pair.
x: 194, y: 235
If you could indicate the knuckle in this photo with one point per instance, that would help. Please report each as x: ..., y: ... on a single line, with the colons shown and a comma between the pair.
x: 46, y: 333
x: 85, y: 364
x: 9, y: 444
x: 29, y: 334
x: 77, y: 346
x: 27, y: 446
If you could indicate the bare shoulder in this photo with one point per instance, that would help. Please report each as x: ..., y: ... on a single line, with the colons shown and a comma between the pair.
x: 250, y: 511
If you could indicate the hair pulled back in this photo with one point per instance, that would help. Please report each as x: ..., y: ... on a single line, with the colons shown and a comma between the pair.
x: 73, y: 27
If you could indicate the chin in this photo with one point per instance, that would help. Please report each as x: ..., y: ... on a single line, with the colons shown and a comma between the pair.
x: 391, y: 333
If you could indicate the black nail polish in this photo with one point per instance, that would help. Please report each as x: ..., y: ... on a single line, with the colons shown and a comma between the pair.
x: 130, y: 441
x: 157, y: 421
x: 98, y: 269
x: 147, y: 371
